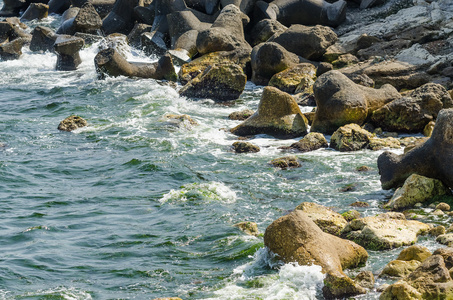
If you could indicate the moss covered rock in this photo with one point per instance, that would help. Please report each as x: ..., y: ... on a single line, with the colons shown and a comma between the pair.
x: 245, y: 147
x: 250, y: 228
x: 278, y: 115
x: 310, y: 142
x: 286, y: 162
x: 417, y: 189
x: 241, y: 115
x: 350, y: 137
x: 72, y: 123
x: 382, y: 143
x: 400, y: 268
x: 297, y: 79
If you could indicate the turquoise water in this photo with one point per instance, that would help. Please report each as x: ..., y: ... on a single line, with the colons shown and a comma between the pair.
x: 133, y: 207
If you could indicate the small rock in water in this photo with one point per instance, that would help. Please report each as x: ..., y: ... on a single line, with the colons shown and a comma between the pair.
x: 241, y: 115
x: 72, y: 123
x: 351, y: 215
x: 359, y: 204
x: 436, y: 231
x: 349, y: 187
x: 363, y: 169
x: 181, y: 121
x: 249, y: 228
x: 285, y: 162
x: 245, y: 147
x: 443, y: 206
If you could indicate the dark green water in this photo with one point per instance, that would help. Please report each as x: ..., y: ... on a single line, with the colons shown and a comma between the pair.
x: 132, y: 207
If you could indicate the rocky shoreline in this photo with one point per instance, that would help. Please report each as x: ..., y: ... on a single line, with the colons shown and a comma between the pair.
x: 373, y: 70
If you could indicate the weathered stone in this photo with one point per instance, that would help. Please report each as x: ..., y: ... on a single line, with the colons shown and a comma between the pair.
x: 385, y: 231
x: 134, y: 37
x: 381, y: 143
x: 297, y: 79
x: 445, y: 239
x: 400, y: 268
x: 245, y: 147
x: 72, y: 123
x: 431, y: 159
x: 110, y: 62
x: 58, y: 6
x: 414, y: 112
x: 390, y: 48
x: 264, y: 29
x: 154, y: 43
x: 309, y: 42
x: 121, y: 18
x: 67, y: 48
x: 278, y: 115
x: 296, y: 238
x: 365, y: 279
x: 250, y: 228
x: 345, y: 60
x: 328, y: 220
x: 438, y: 230
x: 11, y: 50
x: 286, y: 162
x: 443, y: 206
x: 35, y: 11
x: 351, y: 215
x: 310, y: 142
x: 350, y: 137
x: 220, y: 82
x: 417, y: 189
x: 86, y: 20
x: 340, y: 101
x: 359, y: 204
x: 414, y: 252
x: 428, y: 130
x: 43, y: 39
x: 241, y: 115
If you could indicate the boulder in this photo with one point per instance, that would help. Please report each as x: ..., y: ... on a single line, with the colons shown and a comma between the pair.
x: 381, y: 143
x: 278, y: 115
x: 117, y: 41
x: 340, y: 101
x: 445, y: 239
x: 438, y: 230
x: 264, y: 30
x: 416, y: 189
x: 399, y: 74
x: 345, y: 60
x: 297, y: 79
x: 328, y: 220
x: 154, y: 43
x: 67, y: 48
x: 188, y: 42
x: 414, y: 252
x: 286, y: 162
x: 431, y: 159
x: 365, y: 279
x: 245, y: 147
x: 268, y: 59
x: 351, y: 215
x: 400, y: 268
x: 35, y: 11
x: 87, y: 20
x: 121, y: 18
x: 197, y: 66
x: 43, y: 39
x: 219, y: 82
x: 72, y: 123
x: 350, y: 137
x: 310, y: 142
x: 443, y: 206
x: 413, y: 112
x: 241, y: 115
x: 296, y: 238
x: 384, y: 231
x: 309, y: 42
x: 250, y: 228
x: 110, y: 62
x: 180, y: 22
x: 306, y: 12
x: 11, y: 50
x: 225, y: 34
x: 134, y: 37
x: 431, y: 280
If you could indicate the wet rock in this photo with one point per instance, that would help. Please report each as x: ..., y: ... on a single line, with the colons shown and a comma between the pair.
x: 296, y: 238
x: 180, y: 121
x: 350, y: 137
x: 67, y: 48
x: 225, y: 34
x: 11, y: 50
x: 384, y: 231
x: 241, y: 115
x: 340, y: 101
x: 430, y: 159
x: 268, y: 59
x: 438, y: 230
x: 328, y: 220
x: 359, y: 204
x: 443, y: 206
x: 414, y: 112
x: 117, y: 41
x: 72, y: 123
x: 445, y: 239
x: 179, y: 22
x: 289, y: 12
x: 265, y: 29
x: 134, y: 37
x: 382, y: 143
x: 310, y: 142
x: 400, y: 268
x: 121, y: 18
x: 428, y: 130
x: 154, y: 43
x: 309, y: 42
x: 415, y: 252
x: 220, y: 82
x: 192, y: 69
x: 297, y: 79
x: 245, y: 147
x: 35, y: 11
x: 250, y: 228
x: 351, y: 215
x: 87, y: 20
x: 278, y: 115
x: 43, y: 39
x: 363, y: 169
x: 110, y: 62
x: 417, y: 189
x: 286, y: 162
x: 365, y: 279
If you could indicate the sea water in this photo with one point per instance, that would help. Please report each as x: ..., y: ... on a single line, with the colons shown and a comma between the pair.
x: 133, y: 207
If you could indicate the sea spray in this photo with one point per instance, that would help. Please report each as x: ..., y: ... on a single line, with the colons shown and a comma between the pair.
x: 204, y: 192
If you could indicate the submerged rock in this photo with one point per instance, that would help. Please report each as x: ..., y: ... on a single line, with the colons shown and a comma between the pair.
x: 241, y: 115
x: 245, y: 147
x: 249, y: 228
x: 384, y: 231
x: 285, y: 162
x: 72, y: 123
x: 312, y: 141
x: 278, y: 115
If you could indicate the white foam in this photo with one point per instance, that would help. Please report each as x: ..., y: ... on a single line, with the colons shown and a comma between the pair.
x: 207, y: 192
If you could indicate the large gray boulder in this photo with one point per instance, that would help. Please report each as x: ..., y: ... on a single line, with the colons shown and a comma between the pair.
x: 414, y: 111
x: 278, y: 115
x: 340, y: 101
x: 309, y: 42
x: 432, y: 159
